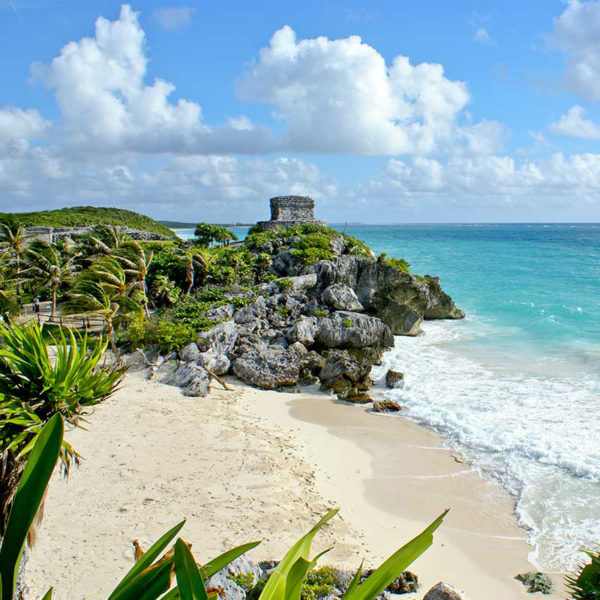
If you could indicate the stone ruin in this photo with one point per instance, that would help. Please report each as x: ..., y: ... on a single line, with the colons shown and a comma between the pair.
x: 289, y: 211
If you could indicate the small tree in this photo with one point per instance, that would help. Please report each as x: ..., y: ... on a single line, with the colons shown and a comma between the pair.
x: 208, y: 234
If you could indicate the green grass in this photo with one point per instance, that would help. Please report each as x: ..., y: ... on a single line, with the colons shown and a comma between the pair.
x: 80, y: 216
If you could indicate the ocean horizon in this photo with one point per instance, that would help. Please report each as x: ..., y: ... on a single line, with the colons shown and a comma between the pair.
x: 513, y: 387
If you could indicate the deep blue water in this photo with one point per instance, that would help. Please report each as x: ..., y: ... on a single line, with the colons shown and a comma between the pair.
x: 516, y: 385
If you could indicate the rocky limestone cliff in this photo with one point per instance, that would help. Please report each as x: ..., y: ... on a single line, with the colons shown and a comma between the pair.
x: 324, y: 323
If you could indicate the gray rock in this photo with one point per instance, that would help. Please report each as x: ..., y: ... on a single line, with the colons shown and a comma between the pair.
x: 268, y: 367
x: 343, y: 329
x: 347, y: 375
x: 221, y: 313
x: 394, y: 379
x: 341, y: 297
x: 219, y: 364
x: 304, y: 331
x: 191, y: 377
x: 443, y: 591
x: 301, y: 283
x: 190, y: 353
x: 230, y: 589
x: 222, y: 338
x: 299, y: 348
x: 251, y: 312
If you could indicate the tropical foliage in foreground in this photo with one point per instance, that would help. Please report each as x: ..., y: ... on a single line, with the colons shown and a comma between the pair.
x: 38, y: 381
x: 175, y: 574
x: 585, y: 585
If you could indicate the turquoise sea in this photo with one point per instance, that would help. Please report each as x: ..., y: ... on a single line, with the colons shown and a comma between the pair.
x: 516, y: 385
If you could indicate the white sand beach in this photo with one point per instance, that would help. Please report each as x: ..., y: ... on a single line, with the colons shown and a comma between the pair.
x: 251, y: 464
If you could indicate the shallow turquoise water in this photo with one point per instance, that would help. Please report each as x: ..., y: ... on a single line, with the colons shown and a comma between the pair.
x: 516, y: 385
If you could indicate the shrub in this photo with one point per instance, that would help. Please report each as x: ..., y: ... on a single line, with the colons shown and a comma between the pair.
x: 208, y: 234
x: 285, y: 284
x: 244, y: 580
x: 399, y: 263
x: 168, y: 335
x: 319, y: 583
x: 283, y: 311
x: 321, y: 313
x: 347, y: 323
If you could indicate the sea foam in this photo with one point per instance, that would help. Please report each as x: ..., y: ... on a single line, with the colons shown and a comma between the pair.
x: 537, y: 435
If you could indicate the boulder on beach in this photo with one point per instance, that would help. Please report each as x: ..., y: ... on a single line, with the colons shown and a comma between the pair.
x: 443, y: 591
x: 386, y: 406
x: 394, y: 379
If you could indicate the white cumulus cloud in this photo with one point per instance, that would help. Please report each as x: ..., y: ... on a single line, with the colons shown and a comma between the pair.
x: 340, y: 96
x: 574, y: 124
x: 576, y: 33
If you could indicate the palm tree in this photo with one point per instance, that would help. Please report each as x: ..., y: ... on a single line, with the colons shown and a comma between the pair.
x: 205, y: 259
x: 90, y: 296
x: 12, y: 242
x: 137, y: 262
x: 110, y: 274
x: 108, y: 239
x: 49, y: 267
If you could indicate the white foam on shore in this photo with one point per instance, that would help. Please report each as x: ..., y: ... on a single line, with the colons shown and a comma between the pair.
x: 537, y: 435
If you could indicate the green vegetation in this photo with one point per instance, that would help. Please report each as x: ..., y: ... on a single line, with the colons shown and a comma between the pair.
x: 399, y: 263
x: 308, y: 243
x: 166, y: 334
x: 285, y: 284
x: 347, y: 322
x: 319, y: 583
x: 34, y: 386
x: 321, y: 313
x: 585, y: 584
x: 244, y: 580
x: 208, y: 234
x: 81, y: 216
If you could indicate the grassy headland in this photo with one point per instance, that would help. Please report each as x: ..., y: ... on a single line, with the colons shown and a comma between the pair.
x: 81, y: 216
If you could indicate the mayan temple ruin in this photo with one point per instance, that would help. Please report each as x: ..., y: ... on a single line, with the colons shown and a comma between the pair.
x: 288, y: 211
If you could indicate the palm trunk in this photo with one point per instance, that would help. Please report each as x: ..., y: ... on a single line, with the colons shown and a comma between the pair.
x: 53, y: 303
x: 111, y: 336
x: 190, y: 278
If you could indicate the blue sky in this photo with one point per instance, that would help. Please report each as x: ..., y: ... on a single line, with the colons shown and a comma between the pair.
x: 441, y: 111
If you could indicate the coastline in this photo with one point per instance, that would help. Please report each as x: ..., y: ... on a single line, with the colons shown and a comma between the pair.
x: 253, y: 464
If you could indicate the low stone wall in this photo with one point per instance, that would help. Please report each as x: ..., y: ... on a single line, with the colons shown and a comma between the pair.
x: 50, y: 234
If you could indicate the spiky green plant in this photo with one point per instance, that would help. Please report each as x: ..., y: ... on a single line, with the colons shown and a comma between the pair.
x: 37, y: 382
x: 585, y: 585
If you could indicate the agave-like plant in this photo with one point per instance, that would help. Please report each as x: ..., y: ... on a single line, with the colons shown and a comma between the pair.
x: 36, y: 383
x: 152, y: 576
x: 585, y: 585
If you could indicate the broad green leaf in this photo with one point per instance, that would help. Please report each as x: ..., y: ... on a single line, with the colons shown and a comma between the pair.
x: 150, y: 584
x: 297, y: 574
x: 275, y: 587
x: 27, y: 500
x: 395, y: 564
x: 48, y: 595
x: 189, y: 579
x: 170, y: 595
x: 147, y: 559
x: 220, y: 562
x: 355, y: 580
